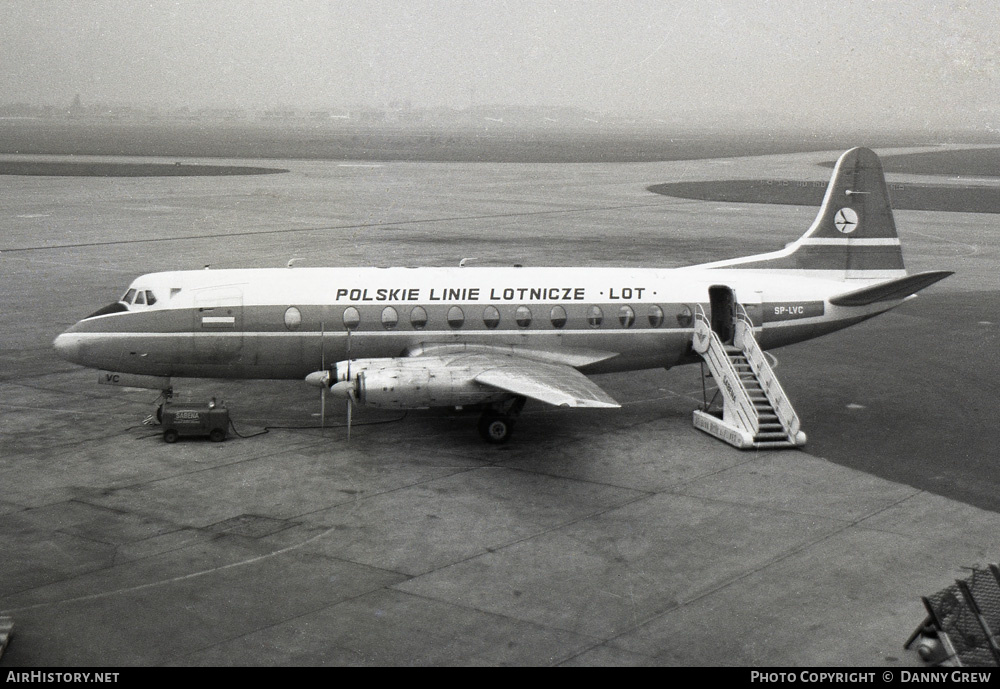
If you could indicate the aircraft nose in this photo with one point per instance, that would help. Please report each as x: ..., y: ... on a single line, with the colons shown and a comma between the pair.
x: 68, y: 346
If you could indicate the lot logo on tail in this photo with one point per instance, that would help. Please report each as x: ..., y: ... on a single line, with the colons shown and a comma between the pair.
x: 846, y: 220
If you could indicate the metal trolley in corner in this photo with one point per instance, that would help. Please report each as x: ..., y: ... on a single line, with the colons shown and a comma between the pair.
x: 962, y: 627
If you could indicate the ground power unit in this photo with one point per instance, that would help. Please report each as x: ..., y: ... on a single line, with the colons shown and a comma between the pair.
x: 209, y: 420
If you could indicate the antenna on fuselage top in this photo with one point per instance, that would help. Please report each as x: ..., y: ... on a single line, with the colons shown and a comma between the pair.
x: 461, y: 264
x: 291, y: 261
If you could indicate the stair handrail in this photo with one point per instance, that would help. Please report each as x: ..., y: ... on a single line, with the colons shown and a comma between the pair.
x: 725, y: 374
x: 742, y: 315
x: 775, y: 394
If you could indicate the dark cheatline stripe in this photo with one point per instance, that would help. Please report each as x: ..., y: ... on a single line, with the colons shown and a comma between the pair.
x: 271, y: 318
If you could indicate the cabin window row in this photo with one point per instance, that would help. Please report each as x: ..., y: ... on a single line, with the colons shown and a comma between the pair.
x: 523, y: 317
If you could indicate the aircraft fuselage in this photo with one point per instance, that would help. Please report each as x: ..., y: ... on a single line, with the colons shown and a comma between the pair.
x: 282, y: 323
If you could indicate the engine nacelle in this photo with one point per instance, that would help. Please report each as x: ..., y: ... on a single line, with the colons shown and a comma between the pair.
x: 415, y: 383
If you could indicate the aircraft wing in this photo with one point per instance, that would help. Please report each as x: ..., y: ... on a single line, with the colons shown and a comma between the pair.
x: 555, y: 384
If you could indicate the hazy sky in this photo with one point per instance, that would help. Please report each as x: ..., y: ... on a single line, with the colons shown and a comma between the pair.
x: 842, y: 59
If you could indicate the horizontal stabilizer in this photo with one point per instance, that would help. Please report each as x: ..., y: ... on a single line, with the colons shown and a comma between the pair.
x: 891, y: 290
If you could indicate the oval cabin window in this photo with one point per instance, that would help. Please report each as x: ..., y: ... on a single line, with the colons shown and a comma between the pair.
x: 684, y: 318
x: 418, y: 318
x: 595, y: 317
x: 655, y: 316
x: 558, y: 316
x: 456, y: 317
x: 626, y: 316
x: 352, y: 319
x: 389, y: 318
x: 293, y: 318
x: 522, y: 317
x: 491, y: 317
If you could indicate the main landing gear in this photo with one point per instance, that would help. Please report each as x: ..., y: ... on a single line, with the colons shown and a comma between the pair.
x: 497, y: 422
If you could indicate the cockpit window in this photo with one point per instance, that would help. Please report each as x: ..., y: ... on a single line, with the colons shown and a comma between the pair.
x: 139, y: 297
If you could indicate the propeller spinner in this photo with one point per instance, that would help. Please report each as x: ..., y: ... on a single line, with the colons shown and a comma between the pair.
x: 345, y: 388
x: 327, y: 379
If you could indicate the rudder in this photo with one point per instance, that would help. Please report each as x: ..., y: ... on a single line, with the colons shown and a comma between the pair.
x: 856, y: 204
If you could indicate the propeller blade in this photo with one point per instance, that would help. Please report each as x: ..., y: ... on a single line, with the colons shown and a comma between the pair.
x: 348, y: 354
x: 322, y: 410
x: 350, y: 406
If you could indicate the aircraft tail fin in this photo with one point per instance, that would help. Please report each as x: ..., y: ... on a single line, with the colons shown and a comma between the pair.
x: 853, y: 235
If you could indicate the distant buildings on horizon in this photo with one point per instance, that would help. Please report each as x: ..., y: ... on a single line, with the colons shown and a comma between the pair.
x: 403, y: 114
x: 394, y: 113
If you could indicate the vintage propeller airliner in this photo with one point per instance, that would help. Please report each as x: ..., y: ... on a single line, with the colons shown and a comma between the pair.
x: 407, y: 338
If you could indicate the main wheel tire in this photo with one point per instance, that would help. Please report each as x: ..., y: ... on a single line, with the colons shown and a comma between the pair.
x: 170, y: 436
x: 496, y: 429
x: 217, y: 435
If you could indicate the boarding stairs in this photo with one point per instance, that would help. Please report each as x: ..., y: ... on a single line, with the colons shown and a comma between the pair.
x: 756, y: 412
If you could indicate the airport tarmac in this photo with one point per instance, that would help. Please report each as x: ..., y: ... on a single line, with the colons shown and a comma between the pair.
x: 595, y: 537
